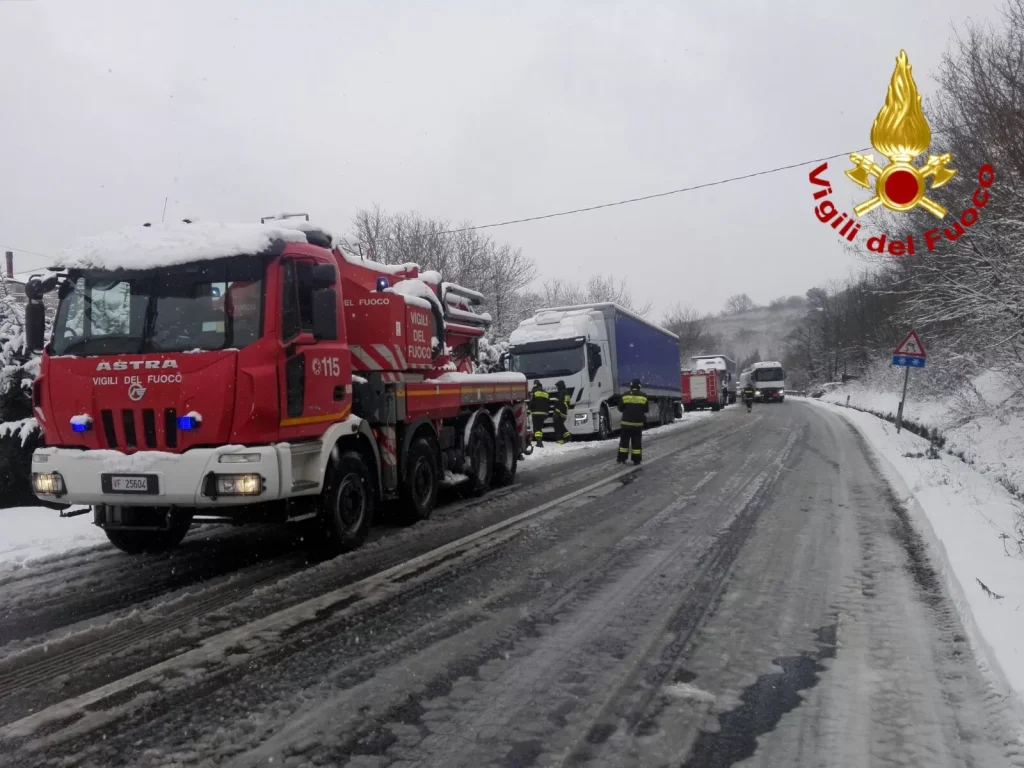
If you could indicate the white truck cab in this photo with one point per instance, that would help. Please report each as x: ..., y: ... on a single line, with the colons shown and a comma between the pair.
x: 569, y: 346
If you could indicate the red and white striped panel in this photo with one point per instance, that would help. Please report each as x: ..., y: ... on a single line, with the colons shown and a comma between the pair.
x: 388, y: 446
x: 382, y: 357
x: 519, y: 409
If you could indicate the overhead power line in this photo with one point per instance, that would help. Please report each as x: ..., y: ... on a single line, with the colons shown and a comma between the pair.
x: 627, y: 201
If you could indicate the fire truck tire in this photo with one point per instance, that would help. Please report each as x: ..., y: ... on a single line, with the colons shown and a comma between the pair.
x: 135, y: 542
x: 422, y: 479
x: 345, y: 507
x: 480, y: 454
x: 506, y: 457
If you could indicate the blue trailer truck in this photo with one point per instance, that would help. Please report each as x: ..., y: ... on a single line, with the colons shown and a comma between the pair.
x: 597, y: 349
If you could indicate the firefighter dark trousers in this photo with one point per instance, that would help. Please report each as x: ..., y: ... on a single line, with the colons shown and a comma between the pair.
x: 538, y: 426
x: 629, y: 444
x: 562, y: 435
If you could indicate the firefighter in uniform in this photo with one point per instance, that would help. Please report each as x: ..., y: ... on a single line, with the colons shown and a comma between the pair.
x: 633, y: 406
x: 748, y: 395
x: 560, y: 411
x: 540, y: 401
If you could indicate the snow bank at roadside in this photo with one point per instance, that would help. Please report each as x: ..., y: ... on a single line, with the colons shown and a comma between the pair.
x: 553, y: 453
x: 971, y: 524
x: 983, y: 424
x: 28, y: 533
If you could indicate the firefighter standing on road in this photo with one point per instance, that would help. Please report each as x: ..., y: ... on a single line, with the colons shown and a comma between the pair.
x: 540, y: 401
x: 634, y: 415
x: 560, y: 409
x: 748, y: 396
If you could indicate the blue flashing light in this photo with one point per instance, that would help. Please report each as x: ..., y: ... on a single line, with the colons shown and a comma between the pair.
x: 186, y: 423
x: 80, y: 426
x: 382, y: 283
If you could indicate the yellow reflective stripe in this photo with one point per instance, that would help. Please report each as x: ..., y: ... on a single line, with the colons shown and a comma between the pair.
x: 634, y: 399
x: 632, y: 423
x: 540, y: 393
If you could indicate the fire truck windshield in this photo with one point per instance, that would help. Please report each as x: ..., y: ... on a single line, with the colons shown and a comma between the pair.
x: 213, y: 305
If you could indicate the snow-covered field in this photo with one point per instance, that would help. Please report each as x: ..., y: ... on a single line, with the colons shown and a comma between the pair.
x: 972, y: 522
x: 29, y: 533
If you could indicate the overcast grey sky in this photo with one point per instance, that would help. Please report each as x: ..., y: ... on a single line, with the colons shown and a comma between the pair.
x: 483, y: 111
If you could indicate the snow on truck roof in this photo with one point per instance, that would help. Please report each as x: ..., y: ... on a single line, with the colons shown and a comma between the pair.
x: 167, y: 245
x: 583, y: 308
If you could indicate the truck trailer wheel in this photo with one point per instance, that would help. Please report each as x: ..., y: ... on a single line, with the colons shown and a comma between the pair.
x: 480, y: 454
x: 506, y: 456
x: 134, y: 542
x: 422, y: 479
x: 345, y: 508
x: 604, y: 424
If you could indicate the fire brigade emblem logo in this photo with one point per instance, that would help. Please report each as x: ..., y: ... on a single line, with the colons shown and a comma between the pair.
x: 136, y: 392
x: 901, y: 133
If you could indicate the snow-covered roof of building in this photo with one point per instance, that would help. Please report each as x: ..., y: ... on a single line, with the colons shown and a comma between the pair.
x: 171, y: 244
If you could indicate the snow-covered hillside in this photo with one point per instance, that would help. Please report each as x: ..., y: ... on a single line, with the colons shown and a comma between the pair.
x: 760, y: 330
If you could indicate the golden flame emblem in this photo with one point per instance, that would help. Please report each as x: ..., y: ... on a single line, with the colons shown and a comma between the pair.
x: 901, y: 133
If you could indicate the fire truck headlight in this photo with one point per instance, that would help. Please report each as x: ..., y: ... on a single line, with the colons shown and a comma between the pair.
x: 48, y: 483
x: 581, y: 418
x: 239, y: 485
x: 757, y: 391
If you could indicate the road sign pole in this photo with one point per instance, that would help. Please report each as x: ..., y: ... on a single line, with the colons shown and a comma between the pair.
x: 903, y: 399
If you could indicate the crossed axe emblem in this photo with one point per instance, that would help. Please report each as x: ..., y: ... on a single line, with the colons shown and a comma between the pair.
x: 866, y: 167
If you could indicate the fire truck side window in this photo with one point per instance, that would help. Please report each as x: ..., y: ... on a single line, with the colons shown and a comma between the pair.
x: 297, y: 298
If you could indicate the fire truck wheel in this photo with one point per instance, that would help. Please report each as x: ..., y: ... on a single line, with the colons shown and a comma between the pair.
x: 506, y: 457
x: 346, y: 507
x: 480, y: 454
x: 422, y: 478
x: 134, y: 542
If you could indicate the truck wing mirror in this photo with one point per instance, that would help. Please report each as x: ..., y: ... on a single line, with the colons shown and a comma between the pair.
x: 325, y: 315
x: 503, y: 361
x: 324, y: 276
x: 35, y: 325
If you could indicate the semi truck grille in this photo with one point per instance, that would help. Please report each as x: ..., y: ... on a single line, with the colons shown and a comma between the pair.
x: 121, y: 428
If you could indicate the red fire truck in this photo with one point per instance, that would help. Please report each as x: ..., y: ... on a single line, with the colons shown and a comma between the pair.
x: 702, y: 389
x: 260, y: 373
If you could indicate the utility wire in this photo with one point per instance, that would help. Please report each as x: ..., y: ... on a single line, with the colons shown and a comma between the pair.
x: 652, y: 197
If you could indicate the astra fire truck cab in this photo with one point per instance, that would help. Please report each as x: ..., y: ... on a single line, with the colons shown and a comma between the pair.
x: 260, y: 373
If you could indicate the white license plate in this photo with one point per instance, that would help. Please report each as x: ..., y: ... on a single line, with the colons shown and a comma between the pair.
x: 129, y: 484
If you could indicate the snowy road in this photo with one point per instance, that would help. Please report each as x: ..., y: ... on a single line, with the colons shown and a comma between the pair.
x: 755, y: 595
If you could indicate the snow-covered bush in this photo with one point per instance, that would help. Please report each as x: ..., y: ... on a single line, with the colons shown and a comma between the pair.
x: 489, y: 355
x: 19, y: 432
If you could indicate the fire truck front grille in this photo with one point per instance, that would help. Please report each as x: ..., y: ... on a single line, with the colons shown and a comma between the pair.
x: 121, y: 429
